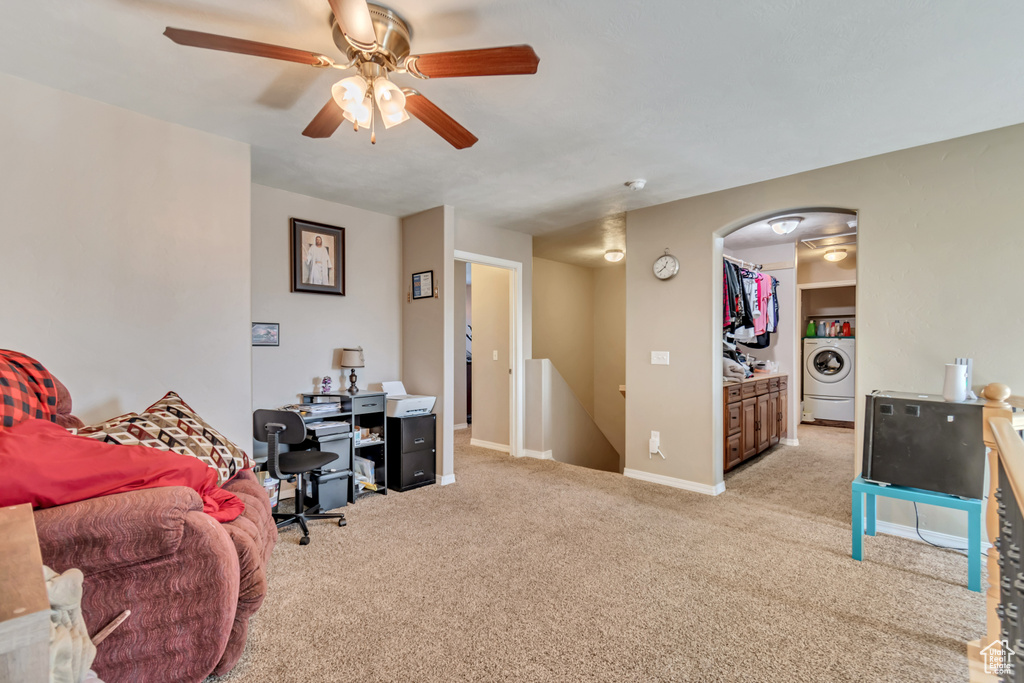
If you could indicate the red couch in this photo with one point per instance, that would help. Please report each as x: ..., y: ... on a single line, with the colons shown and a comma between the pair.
x: 191, y: 583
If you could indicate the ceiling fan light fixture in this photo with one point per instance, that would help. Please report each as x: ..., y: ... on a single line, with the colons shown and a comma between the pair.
x: 350, y: 92
x: 401, y: 116
x: 390, y: 98
x: 360, y: 113
x: 835, y: 255
x: 784, y: 226
x: 614, y: 255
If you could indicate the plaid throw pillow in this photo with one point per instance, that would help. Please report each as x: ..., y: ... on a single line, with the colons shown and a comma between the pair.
x: 171, y: 425
x: 27, y: 390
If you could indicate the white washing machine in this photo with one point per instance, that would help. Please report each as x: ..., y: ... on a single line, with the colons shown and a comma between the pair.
x: 829, y: 378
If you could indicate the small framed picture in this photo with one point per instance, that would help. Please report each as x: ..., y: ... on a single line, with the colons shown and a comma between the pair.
x: 423, y: 285
x: 318, y: 258
x: 266, y: 334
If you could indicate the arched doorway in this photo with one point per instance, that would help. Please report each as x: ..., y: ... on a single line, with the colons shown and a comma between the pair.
x: 805, y: 259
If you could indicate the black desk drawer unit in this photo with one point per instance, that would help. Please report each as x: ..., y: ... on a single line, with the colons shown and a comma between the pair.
x: 414, y: 463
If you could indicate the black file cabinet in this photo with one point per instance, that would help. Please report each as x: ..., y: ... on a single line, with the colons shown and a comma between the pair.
x: 413, y: 451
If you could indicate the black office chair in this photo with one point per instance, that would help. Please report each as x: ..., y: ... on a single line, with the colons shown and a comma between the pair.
x: 275, y: 427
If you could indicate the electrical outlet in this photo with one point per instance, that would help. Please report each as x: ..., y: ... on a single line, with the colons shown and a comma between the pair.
x: 495, y: 354
x: 659, y: 357
x: 656, y: 435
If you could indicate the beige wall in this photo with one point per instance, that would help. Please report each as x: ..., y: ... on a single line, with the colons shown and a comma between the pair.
x: 563, y: 324
x: 557, y: 426
x: 125, y: 251
x: 812, y: 266
x: 939, y: 233
x: 314, y: 327
x: 610, y: 355
x: 579, y: 324
x: 427, y: 324
x: 477, y: 238
x: 460, y: 292
x: 490, y: 315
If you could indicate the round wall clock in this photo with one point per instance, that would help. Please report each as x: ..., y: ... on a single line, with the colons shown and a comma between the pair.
x: 666, y: 266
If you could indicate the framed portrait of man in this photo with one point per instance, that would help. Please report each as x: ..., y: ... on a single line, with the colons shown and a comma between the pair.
x: 318, y: 257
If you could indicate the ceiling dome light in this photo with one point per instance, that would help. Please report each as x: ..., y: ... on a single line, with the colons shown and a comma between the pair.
x: 350, y: 92
x: 835, y: 255
x: 784, y: 226
x: 614, y: 255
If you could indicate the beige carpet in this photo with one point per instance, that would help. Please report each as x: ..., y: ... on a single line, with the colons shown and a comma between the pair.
x: 528, y: 570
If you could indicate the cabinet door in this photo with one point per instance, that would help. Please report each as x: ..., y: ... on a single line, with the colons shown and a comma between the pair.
x: 749, y: 429
x: 763, y: 430
x: 733, y: 451
x: 783, y: 413
x: 773, y: 418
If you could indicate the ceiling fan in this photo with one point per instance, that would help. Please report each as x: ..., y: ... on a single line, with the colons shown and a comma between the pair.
x: 376, y: 42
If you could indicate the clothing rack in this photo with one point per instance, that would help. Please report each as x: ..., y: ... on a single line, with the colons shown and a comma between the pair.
x: 741, y: 263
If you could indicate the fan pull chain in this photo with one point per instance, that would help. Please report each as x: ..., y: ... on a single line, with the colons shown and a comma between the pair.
x: 373, y: 123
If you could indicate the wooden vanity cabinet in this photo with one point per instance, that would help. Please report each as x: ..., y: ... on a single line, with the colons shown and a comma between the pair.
x: 755, y: 417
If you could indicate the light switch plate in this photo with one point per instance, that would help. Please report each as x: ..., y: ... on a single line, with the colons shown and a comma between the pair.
x: 495, y: 354
x: 659, y: 357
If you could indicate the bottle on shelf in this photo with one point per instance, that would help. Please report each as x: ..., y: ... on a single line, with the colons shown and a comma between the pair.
x: 846, y: 329
x: 821, y: 329
x: 812, y: 331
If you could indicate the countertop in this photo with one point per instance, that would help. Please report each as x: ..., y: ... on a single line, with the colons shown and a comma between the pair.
x: 758, y: 376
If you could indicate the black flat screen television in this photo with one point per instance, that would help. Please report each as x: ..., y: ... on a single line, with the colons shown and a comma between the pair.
x: 924, y: 442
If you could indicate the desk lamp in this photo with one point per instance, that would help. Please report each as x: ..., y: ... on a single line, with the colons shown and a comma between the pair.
x: 352, y: 358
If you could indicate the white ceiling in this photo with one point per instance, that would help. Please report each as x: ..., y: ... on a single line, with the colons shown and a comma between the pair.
x: 814, y: 224
x: 694, y: 96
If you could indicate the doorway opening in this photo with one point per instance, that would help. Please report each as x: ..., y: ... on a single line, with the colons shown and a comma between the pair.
x: 488, y: 366
x: 783, y: 273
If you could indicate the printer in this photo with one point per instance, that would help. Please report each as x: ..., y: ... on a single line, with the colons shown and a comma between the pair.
x: 401, y: 403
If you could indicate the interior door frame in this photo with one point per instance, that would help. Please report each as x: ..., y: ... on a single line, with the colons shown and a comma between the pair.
x: 517, y: 387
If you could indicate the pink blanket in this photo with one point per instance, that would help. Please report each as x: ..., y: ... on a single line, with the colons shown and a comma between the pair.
x: 45, y: 465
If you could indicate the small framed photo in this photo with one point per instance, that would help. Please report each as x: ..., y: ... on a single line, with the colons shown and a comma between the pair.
x: 318, y: 257
x: 423, y: 285
x: 266, y: 334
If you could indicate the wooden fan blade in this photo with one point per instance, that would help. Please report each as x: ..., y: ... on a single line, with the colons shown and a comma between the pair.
x: 354, y: 20
x: 326, y: 121
x: 494, y: 61
x: 212, y: 41
x: 442, y: 124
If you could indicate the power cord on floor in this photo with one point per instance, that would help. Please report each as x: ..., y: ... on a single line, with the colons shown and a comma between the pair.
x: 917, y: 528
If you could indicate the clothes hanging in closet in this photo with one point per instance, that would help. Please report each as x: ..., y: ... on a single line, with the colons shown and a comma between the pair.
x: 750, y: 305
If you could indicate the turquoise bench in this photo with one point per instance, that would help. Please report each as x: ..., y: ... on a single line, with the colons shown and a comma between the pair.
x: 861, y: 489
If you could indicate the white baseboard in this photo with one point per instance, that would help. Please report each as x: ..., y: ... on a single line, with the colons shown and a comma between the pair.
x: 446, y: 479
x: 790, y: 442
x: 684, y: 484
x: 936, y: 537
x: 462, y: 425
x: 504, y: 448
x: 540, y: 455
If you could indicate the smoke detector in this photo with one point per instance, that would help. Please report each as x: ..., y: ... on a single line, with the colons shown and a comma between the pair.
x: 636, y: 185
